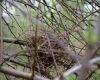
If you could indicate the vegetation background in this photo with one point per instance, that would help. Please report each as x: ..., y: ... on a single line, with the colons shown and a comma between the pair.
x: 49, y: 39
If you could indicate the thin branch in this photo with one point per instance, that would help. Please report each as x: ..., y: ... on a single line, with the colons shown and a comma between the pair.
x: 19, y: 74
x: 15, y: 41
x: 14, y: 4
x: 77, y: 68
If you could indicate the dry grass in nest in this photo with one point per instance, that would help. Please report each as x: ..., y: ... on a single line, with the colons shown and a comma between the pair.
x: 50, y: 56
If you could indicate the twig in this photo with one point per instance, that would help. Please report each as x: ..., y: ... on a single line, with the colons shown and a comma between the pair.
x: 20, y: 74
x: 15, y: 41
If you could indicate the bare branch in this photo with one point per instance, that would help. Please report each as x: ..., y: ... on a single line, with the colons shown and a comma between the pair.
x: 15, y: 41
x: 77, y: 67
x: 20, y: 74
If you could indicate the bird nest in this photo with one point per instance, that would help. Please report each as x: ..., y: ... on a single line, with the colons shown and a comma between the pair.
x: 50, y: 57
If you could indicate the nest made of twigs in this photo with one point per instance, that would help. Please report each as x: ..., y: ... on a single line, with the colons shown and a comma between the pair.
x: 49, y: 54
